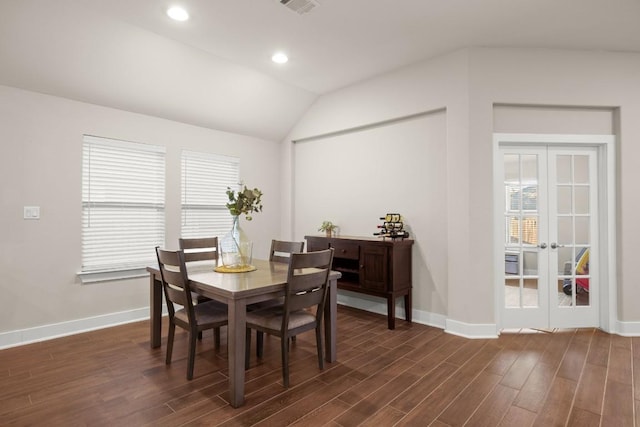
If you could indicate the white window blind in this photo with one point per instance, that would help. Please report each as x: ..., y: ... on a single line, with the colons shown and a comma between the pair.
x: 205, y: 178
x: 123, y: 192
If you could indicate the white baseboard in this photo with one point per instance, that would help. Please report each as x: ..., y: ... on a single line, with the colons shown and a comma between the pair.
x: 627, y: 329
x: 56, y: 330
x: 375, y: 306
x: 466, y: 330
x: 454, y: 327
x: 472, y: 330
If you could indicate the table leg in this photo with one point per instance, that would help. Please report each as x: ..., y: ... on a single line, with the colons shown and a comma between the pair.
x: 155, y: 311
x: 236, y: 330
x: 330, y: 321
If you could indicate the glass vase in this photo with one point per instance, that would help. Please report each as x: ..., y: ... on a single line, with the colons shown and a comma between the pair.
x: 236, y: 248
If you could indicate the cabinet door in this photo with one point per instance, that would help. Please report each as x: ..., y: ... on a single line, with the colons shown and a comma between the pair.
x: 374, y: 271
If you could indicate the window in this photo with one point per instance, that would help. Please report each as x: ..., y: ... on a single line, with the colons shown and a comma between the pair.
x: 527, y: 197
x: 123, y: 187
x: 522, y: 207
x: 205, y: 178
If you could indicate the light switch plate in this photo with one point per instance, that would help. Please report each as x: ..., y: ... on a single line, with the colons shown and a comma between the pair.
x: 32, y: 212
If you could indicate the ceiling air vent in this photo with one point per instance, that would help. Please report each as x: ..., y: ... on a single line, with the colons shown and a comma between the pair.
x: 300, y: 6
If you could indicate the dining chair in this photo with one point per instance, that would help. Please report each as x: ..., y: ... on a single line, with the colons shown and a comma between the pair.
x: 194, y: 318
x: 305, y: 297
x: 199, y: 249
x: 281, y: 250
x: 202, y: 249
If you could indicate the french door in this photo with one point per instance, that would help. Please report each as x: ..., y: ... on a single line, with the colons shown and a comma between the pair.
x: 550, y: 235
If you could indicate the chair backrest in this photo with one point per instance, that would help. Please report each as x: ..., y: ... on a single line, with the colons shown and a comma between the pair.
x: 281, y: 251
x: 308, y: 282
x: 175, y: 281
x: 200, y: 249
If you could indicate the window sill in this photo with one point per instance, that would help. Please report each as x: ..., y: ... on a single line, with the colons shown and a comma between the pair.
x: 108, y: 276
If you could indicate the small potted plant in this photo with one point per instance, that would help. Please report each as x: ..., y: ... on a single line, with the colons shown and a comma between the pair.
x: 328, y: 227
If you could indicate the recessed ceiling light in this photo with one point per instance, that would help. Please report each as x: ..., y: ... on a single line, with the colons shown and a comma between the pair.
x: 178, y: 13
x: 279, y: 58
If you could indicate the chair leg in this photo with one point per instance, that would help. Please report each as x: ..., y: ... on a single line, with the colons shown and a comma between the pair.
x: 172, y: 332
x: 192, y: 354
x: 259, y: 343
x: 200, y: 335
x: 284, y: 344
x: 216, y: 337
x: 320, y: 349
x: 247, y: 348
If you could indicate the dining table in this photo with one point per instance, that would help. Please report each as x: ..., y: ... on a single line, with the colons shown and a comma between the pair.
x: 237, y: 291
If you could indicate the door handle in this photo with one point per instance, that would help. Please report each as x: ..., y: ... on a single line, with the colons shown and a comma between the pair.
x: 554, y: 245
x: 542, y: 246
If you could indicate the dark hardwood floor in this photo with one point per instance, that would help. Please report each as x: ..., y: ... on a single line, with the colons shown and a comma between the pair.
x: 415, y: 375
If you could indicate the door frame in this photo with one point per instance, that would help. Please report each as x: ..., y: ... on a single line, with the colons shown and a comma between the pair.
x: 606, y: 212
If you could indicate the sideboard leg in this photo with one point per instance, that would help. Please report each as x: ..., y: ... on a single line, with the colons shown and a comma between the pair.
x: 391, y: 311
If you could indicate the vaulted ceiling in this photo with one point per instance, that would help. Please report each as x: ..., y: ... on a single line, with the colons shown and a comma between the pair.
x: 214, y: 70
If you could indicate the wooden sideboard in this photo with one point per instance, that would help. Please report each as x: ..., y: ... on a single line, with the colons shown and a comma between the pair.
x: 372, y: 266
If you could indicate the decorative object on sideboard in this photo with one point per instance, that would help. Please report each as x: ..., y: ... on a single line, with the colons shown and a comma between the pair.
x: 328, y: 227
x: 392, y: 227
x: 235, y: 246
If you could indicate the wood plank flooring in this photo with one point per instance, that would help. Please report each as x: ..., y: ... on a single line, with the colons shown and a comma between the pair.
x: 413, y: 376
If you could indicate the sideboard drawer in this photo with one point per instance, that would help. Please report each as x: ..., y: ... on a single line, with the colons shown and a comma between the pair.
x: 347, y: 250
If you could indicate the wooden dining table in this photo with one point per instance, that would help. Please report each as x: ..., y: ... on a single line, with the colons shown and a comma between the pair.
x: 238, y: 290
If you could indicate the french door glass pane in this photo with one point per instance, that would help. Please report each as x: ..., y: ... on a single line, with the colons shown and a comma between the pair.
x: 521, y: 292
x: 581, y: 174
x: 565, y: 261
x: 530, y: 262
x: 564, y: 172
x: 512, y: 293
x: 511, y: 168
x: 529, y: 168
x: 565, y: 230
x: 573, y: 222
x: 565, y: 200
x: 582, y: 200
x: 521, y: 230
x: 513, y: 228
x: 582, y: 230
x: 530, y: 293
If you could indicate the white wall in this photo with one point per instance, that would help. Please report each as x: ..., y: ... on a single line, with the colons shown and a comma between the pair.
x: 41, y: 161
x: 40, y: 165
x: 553, y: 119
x: 468, y: 84
x: 354, y: 178
x: 438, y: 85
x: 574, y: 79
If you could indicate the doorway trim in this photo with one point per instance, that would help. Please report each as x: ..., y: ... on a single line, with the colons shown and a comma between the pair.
x: 607, y: 214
